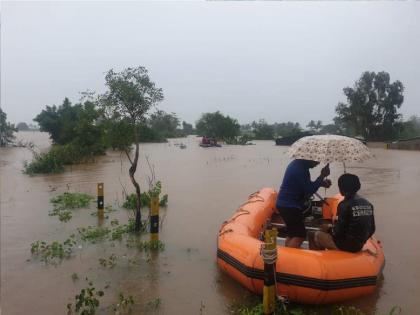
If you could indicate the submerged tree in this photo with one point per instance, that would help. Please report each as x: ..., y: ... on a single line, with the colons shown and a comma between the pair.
x: 372, y: 106
x: 131, y: 94
x: 262, y: 130
x: 217, y: 125
x: 6, y: 130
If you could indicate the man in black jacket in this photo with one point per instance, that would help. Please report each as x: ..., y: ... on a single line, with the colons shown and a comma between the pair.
x: 355, y: 224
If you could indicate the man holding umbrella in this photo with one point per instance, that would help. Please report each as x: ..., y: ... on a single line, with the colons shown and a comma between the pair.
x: 307, y: 152
x: 295, y: 189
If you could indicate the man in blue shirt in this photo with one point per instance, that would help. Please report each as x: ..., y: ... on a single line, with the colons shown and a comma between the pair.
x: 295, y: 189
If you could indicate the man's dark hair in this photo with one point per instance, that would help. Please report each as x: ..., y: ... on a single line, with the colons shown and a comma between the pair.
x: 348, y: 184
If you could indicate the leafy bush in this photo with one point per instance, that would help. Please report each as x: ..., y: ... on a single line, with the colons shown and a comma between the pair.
x: 71, y: 200
x: 145, y: 198
x: 66, y: 201
x: 87, y: 301
x: 54, y: 252
x: 54, y: 160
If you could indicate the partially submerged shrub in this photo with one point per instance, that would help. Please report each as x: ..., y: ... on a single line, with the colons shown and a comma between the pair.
x: 124, y: 304
x: 67, y: 201
x: 109, y: 262
x: 54, y: 160
x: 145, y: 198
x: 54, y: 252
x: 87, y: 301
x: 71, y: 200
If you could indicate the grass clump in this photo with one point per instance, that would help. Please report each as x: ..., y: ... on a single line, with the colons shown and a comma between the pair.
x: 282, y: 309
x: 109, y: 262
x: 145, y: 198
x: 54, y: 252
x: 54, y: 160
x: 93, y: 234
x: 124, y: 304
x: 71, y: 200
x: 86, y: 302
x: 63, y: 215
x: 66, y: 201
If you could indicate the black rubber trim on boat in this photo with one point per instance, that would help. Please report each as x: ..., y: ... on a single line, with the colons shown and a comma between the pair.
x: 300, y: 281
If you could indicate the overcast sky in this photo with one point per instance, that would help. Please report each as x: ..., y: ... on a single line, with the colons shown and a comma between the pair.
x: 281, y: 61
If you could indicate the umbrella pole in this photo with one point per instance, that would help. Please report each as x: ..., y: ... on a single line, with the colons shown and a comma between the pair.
x: 344, y: 166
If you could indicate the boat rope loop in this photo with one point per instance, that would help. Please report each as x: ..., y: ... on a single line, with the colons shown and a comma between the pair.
x: 269, y: 256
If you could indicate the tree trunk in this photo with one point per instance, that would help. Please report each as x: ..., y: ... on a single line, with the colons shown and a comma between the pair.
x: 132, y: 171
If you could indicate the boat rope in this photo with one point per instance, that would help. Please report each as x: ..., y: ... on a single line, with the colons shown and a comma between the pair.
x: 269, y: 256
x: 241, y: 210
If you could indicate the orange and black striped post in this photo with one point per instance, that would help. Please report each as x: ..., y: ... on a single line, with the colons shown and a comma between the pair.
x: 100, y: 200
x: 154, y: 218
x: 269, y: 253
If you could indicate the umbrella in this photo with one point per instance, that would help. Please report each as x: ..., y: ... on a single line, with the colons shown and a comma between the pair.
x: 330, y: 148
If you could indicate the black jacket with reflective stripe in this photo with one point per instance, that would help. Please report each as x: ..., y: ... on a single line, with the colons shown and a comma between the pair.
x: 356, y: 222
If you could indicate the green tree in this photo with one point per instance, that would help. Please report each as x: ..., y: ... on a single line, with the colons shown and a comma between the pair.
x: 22, y: 126
x: 371, y: 108
x: 218, y: 126
x: 410, y: 128
x: 130, y: 96
x: 164, y: 124
x: 315, y: 126
x: 72, y: 124
x: 330, y: 129
x: 6, y: 130
x: 262, y: 130
x: 287, y: 129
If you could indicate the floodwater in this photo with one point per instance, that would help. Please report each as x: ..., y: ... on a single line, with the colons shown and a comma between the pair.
x: 205, y: 186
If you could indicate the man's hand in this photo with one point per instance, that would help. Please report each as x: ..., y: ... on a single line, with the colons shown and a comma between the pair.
x: 326, y: 183
x: 325, y: 171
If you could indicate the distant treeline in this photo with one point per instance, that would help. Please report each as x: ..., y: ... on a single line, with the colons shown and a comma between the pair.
x: 83, y: 130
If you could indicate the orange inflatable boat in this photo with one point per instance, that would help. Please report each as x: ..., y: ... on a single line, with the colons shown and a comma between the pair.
x: 302, y: 275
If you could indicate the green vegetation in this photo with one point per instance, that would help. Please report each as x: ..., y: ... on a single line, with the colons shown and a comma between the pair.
x: 93, y: 234
x: 66, y: 201
x: 371, y: 108
x: 6, y: 130
x: 154, y: 304
x: 282, y: 309
x: 109, y: 262
x: 124, y: 304
x: 86, y: 302
x: 71, y: 200
x: 410, y: 128
x: 145, y: 198
x: 130, y: 96
x: 63, y: 215
x: 218, y: 126
x: 55, y: 252
x: 74, y: 276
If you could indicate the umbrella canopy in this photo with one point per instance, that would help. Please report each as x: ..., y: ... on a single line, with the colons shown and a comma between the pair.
x: 329, y: 148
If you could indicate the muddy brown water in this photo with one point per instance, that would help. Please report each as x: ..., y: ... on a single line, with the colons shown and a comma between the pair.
x: 205, y: 186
